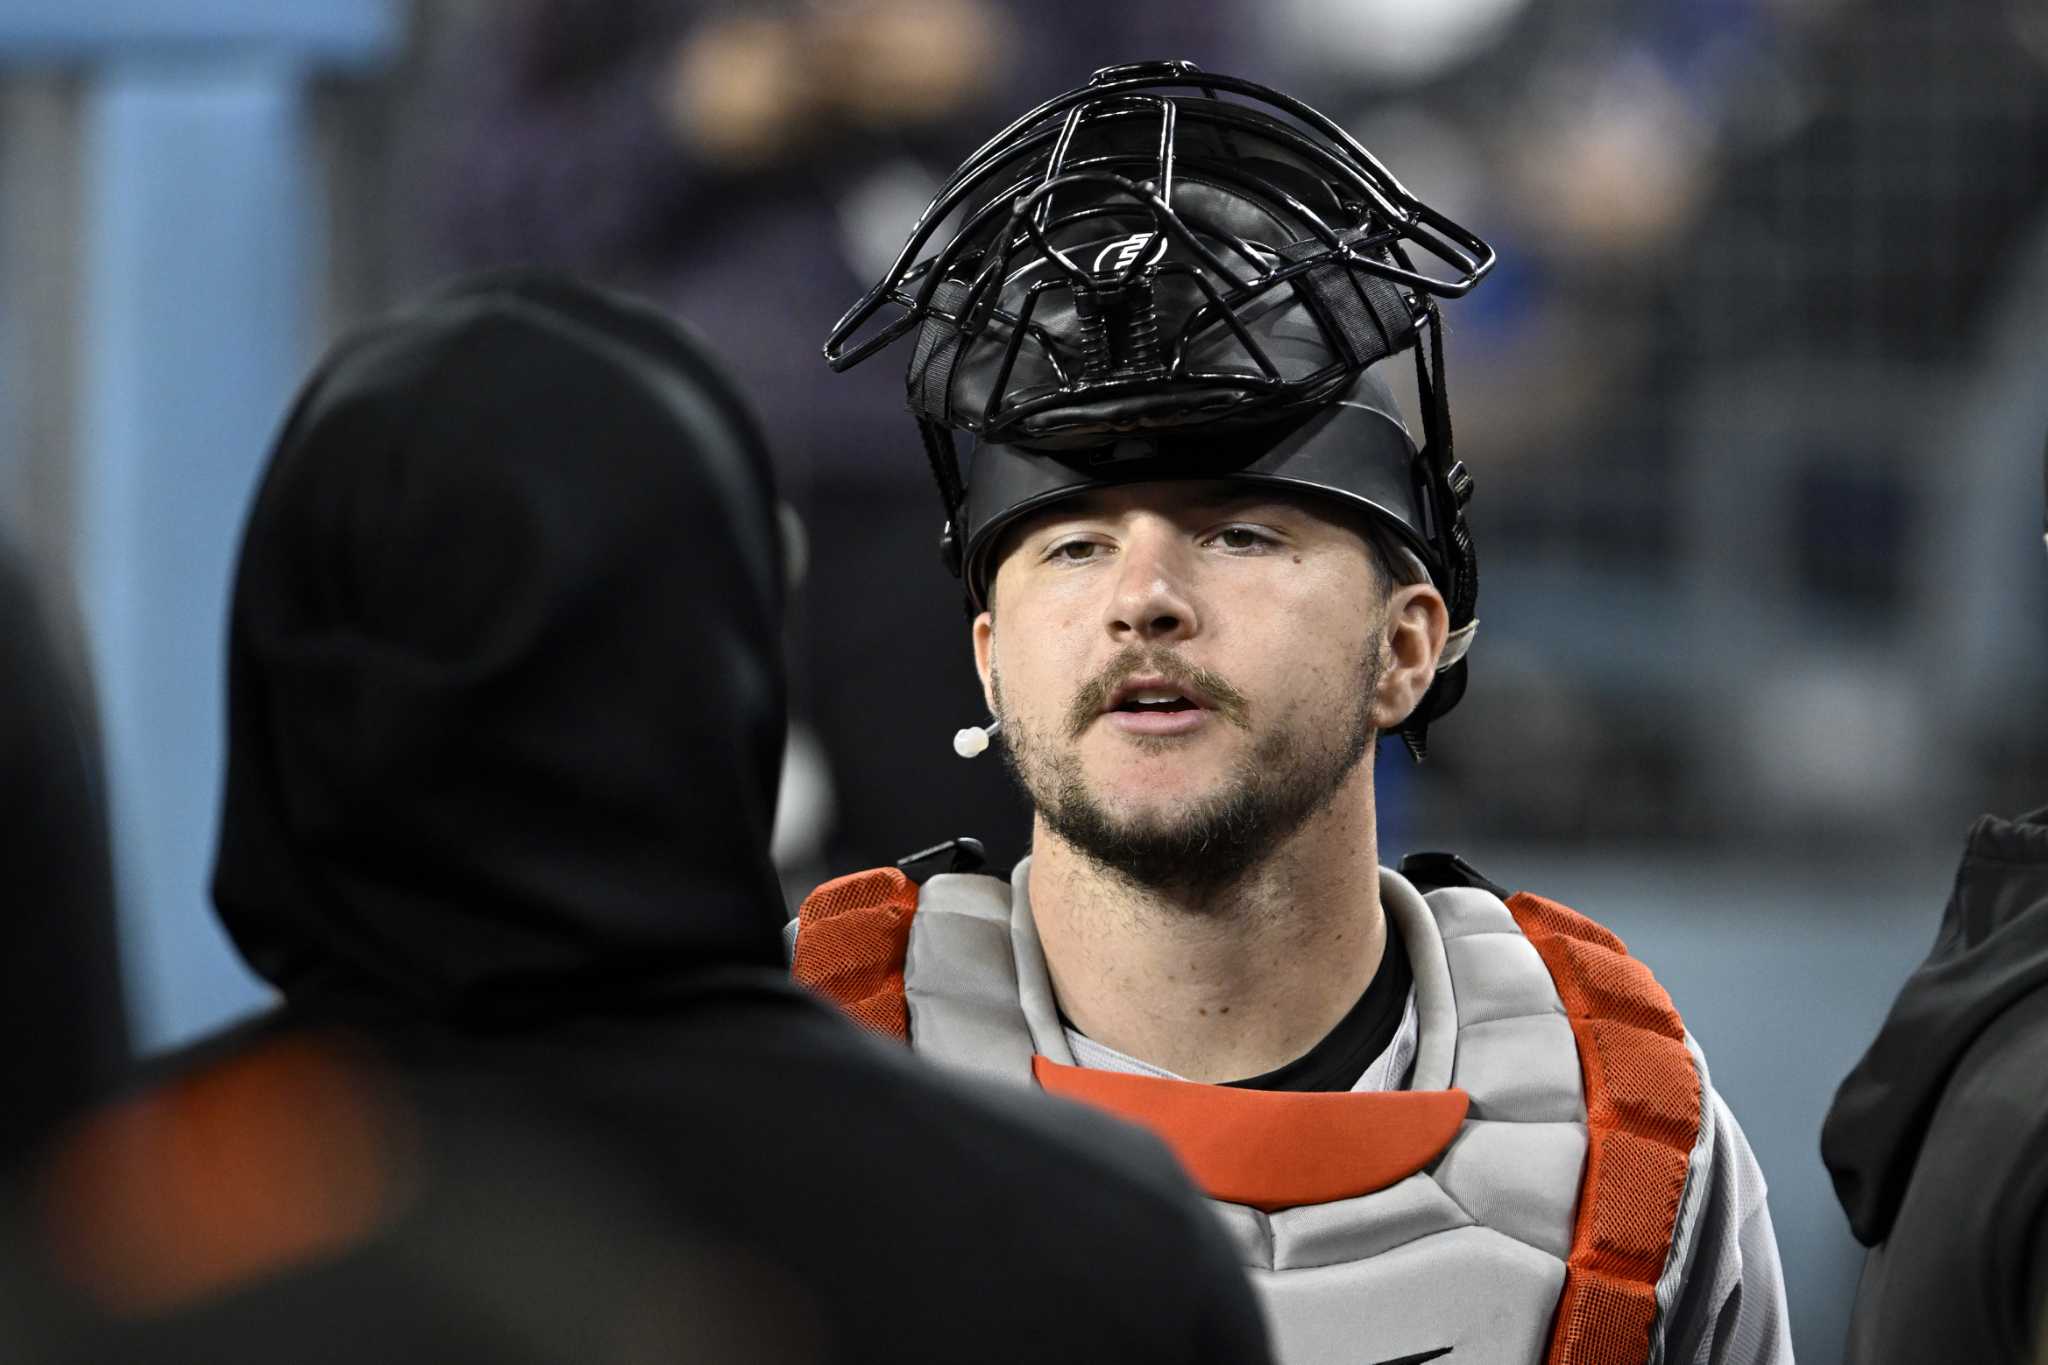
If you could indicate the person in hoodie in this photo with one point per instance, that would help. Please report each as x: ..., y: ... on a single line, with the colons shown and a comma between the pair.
x: 60, y: 976
x: 505, y: 721
x: 1938, y: 1139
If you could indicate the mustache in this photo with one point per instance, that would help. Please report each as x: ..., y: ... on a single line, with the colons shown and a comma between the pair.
x: 1224, y: 699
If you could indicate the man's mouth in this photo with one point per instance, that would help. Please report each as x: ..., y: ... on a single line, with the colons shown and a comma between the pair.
x: 1142, y: 696
x: 1156, y: 701
x: 1160, y: 694
x: 1153, y: 706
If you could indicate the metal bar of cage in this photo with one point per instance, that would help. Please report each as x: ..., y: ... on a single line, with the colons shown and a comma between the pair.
x: 1432, y: 231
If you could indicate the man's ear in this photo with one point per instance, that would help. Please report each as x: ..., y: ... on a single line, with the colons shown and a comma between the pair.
x: 1412, y: 640
x: 984, y: 655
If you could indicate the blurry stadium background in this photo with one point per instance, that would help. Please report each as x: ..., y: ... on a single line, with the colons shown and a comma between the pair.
x: 1755, y: 401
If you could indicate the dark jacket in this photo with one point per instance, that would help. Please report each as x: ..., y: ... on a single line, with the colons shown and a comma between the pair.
x: 60, y: 978
x: 1938, y: 1140
x: 506, y: 710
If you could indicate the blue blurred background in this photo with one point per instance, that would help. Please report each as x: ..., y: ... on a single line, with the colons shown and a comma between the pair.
x: 1755, y: 402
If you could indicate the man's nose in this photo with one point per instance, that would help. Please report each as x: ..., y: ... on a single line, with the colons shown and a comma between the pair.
x: 1152, y: 600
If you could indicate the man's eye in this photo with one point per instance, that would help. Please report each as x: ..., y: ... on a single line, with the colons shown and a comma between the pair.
x: 1241, y: 538
x: 1074, y: 551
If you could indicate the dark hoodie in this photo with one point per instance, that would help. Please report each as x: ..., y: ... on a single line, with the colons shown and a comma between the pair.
x: 1938, y: 1139
x: 506, y: 714
x: 60, y: 979
x: 504, y: 687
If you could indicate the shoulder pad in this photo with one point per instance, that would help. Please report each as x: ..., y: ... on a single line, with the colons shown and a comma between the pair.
x: 1645, y: 1110
x: 1433, y: 871
x: 853, y: 935
x: 963, y: 854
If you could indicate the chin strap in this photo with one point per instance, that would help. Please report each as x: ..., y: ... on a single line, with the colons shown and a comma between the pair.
x: 928, y: 391
x: 945, y: 462
x: 1451, y: 490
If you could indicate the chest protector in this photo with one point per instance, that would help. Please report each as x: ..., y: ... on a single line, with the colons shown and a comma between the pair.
x: 1523, y: 1201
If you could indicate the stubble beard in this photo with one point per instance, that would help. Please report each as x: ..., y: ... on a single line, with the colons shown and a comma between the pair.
x: 1200, y: 849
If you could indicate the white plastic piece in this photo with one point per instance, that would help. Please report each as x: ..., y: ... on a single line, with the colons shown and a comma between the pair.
x: 1457, y: 643
x: 973, y: 740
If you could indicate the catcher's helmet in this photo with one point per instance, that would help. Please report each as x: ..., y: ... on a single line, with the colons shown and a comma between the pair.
x: 1173, y: 274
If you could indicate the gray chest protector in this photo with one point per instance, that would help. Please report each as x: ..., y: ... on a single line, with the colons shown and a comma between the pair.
x: 1472, y: 1251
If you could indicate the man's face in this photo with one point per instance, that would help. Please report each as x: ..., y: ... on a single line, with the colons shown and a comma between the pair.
x: 1186, y: 671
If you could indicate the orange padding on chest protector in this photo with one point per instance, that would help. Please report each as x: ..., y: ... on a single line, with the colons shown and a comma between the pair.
x: 1275, y: 1149
x: 852, y: 936
x: 1642, y: 1118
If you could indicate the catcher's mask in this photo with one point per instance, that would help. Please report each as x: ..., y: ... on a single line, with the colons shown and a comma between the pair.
x: 1173, y: 274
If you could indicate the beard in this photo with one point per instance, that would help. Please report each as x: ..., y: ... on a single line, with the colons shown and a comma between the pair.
x: 1211, y: 842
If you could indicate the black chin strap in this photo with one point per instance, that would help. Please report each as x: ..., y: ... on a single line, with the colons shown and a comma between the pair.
x: 1451, y: 489
x: 945, y: 462
x: 928, y: 385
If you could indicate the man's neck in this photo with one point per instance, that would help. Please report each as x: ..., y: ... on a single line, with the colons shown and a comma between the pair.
x: 1217, y: 984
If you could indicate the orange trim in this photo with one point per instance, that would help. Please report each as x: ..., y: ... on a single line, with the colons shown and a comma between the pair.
x: 852, y: 937
x: 281, y: 1158
x: 1275, y: 1149
x: 1643, y: 1116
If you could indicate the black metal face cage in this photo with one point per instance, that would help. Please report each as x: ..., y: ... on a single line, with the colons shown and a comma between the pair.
x: 1124, y: 92
x: 1358, y: 277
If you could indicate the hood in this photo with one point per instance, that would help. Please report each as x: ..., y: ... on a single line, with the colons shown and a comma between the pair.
x: 1990, y: 954
x: 506, y: 696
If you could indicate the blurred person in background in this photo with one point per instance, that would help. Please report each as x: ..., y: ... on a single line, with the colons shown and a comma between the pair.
x: 1938, y: 1139
x: 60, y: 975
x: 1210, y: 567
x: 749, y: 165
x: 506, y: 716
